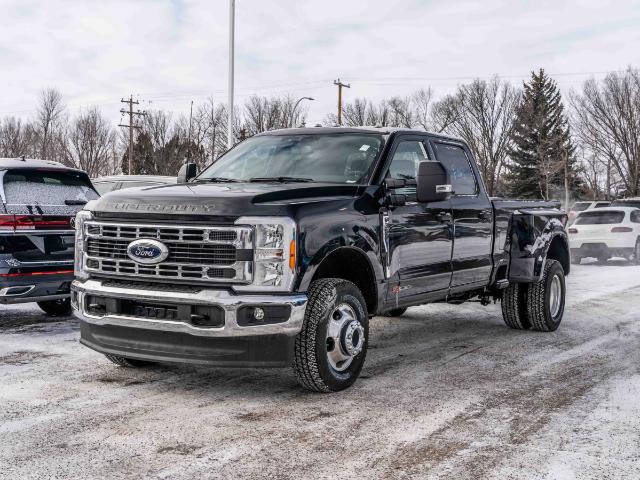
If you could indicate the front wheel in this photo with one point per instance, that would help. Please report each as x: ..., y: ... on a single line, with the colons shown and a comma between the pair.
x: 636, y: 253
x: 127, y: 362
x: 56, y: 308
x: 546, y: 299
x: 332, y: 345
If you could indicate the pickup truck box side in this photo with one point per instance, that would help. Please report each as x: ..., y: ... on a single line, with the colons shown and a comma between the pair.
x: 234, y: 269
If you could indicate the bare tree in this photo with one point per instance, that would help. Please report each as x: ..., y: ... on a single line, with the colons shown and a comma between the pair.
x: 263, y: 114
x: 481, y: 113
x: 16, y: 138
x: 606, y: 120
x: 91, y: 144
x: 50, y: 112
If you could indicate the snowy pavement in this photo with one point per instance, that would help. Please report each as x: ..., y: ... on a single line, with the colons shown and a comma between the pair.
x: 446, y: 392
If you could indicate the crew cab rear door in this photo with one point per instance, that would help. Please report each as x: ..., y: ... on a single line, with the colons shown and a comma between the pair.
x: 471, y: 260
x: 419, y: 234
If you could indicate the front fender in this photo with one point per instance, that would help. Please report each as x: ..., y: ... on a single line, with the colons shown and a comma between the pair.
x: 362, y: 243
x: 531, y: 236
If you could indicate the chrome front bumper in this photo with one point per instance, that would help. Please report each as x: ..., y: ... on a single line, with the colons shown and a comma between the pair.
x: 206, y: 296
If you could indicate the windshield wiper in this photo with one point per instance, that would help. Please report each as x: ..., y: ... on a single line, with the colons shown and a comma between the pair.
x: 217, y: 180
x: 281, y: 179
x: 75, y: 202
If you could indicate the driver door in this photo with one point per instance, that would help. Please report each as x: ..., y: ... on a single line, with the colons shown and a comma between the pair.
x: 419, y: 234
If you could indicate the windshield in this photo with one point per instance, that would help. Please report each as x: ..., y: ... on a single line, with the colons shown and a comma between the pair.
x: 600, y: 218
x: 336, y: 158
x: 626, y: 203
x: 580, y: 206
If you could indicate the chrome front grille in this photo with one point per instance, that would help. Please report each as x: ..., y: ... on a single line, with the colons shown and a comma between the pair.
x: 208, y: 254
x: 179, y: 252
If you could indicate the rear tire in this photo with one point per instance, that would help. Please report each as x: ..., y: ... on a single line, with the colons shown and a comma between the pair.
x: 332, y: 345
x: 636, y: 255
x: 395, y: 312
x: 56, y: 308
x: 602, y: 260
x: 127, y: 362
x: 575, y: 260
x: 514, y: 306
x: 546, y: 299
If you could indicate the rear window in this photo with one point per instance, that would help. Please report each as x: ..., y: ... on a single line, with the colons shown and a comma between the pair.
x: 45, y: 187
x: 626, y: 203
x: 599, y: 218
x: 104, y: 187
x: 580, y: 206
x: 602, y: 204
x: 124, y: 185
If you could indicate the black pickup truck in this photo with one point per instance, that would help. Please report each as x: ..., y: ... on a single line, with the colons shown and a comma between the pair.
x: 280, y: 252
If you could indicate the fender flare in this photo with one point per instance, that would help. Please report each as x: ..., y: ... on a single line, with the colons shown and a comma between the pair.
x: 528, y: 258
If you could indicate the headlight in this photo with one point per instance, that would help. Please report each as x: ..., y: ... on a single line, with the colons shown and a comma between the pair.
x: 274, y: 253
x: 78, y: 262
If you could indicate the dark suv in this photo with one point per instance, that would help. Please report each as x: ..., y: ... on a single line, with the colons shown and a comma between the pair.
x: 37, y: 215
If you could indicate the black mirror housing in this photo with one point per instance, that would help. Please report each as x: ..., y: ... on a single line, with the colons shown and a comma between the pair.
x: 187, y: 172
x: 433, y: 182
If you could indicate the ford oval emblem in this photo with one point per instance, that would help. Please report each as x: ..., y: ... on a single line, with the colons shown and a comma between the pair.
x: 147, y: 251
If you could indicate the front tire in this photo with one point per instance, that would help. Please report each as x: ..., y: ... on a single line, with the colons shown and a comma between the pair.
x: 127, y: 362
x: 56, y: 308
x: 546, y: 299
x: 636, y: 255
x: 331, y: 347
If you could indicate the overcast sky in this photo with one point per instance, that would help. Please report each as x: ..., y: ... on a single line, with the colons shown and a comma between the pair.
x: 170, y: 52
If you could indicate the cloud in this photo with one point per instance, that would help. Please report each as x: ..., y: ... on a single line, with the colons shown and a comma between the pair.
x: 171, y: 52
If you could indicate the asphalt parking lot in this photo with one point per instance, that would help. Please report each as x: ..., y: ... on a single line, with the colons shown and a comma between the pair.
x: 446, y: 392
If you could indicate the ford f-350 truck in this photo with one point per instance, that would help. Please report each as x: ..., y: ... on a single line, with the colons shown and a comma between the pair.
x: 281, y: 251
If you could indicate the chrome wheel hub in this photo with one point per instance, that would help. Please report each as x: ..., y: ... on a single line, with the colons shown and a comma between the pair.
x: 345, y: 337
x: 555, y: 296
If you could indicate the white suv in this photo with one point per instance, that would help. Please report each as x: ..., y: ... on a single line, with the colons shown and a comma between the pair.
x: 582, y: 206
x: 605, y: 233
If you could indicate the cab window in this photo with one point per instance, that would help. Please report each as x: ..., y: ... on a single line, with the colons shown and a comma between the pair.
x: 405, y: 161
x: 406, y: 158
x: 455, y: 161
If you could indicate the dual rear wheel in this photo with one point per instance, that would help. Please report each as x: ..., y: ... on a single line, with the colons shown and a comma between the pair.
x: 536, y: 306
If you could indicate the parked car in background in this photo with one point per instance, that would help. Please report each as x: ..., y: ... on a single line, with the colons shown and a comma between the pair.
x: 118, y: 182
x: 39, y: 202
x: 627, y: 202
x: 606, y: 233
x: 582, y: 206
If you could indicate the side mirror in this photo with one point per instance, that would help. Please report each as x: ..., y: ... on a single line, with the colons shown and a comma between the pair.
x: 187, y: 172
x: 433, y: 182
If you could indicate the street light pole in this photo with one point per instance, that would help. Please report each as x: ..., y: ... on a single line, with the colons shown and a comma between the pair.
x: 232, y: 21
x: 293, y: 111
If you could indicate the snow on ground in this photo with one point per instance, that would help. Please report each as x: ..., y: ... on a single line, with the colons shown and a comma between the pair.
x: 447, y: 392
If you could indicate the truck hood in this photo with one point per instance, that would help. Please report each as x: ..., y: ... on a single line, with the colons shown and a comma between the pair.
x: 227, y: 199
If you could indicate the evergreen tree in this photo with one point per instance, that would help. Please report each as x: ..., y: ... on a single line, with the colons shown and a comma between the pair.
x: 542, y: 159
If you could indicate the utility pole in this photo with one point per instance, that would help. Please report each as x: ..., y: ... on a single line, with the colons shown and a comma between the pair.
x: 340, y: 86
x: 131, y: 126
x: 232, y: 22
x: 189, y: 141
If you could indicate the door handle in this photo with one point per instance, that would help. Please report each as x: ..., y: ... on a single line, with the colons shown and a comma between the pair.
x: 484, y: 215
x: 444, y: 217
